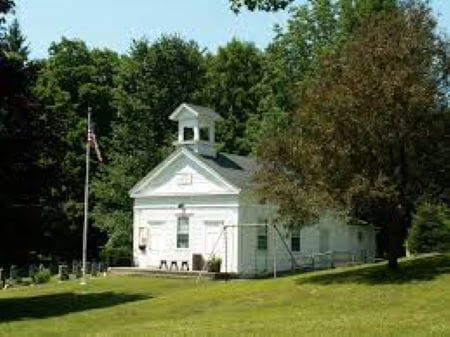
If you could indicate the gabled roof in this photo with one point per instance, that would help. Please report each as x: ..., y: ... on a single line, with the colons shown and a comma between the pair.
x: 198, y: 111
x: 236, y: 171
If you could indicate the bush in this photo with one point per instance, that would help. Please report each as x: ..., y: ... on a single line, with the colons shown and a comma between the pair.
x: 213, y: 264
x: 116, y: 256
x: 430, y: 230
x: 42, y: 276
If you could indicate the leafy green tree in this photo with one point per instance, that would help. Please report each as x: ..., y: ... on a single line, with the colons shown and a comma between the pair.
x: 363, y: 136
x: 153, y: 80
x: 430, y: 229
x: 314, y: 29
x: 232, y: 80
x: 72, y: 79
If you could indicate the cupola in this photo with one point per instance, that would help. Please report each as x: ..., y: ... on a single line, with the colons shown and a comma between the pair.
x: 196, y: 128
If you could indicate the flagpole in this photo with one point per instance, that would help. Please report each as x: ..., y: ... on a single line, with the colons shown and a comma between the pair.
x: 86, y: 198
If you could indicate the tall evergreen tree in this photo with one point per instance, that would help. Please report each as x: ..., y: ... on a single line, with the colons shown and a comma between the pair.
x: 19, y: 143
x: 15, y: 41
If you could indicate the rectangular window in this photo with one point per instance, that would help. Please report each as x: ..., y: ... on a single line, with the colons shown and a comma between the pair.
x: 324, y: 240
x: 204, y: 134
x: 143, y: 237
x: 295, y: 239
x: 262, y: 237
x: 183, y: 232
x: 188, y: 134
x: 360, y: 236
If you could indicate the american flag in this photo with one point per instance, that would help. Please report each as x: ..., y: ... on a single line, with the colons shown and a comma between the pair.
x: 92, y: 141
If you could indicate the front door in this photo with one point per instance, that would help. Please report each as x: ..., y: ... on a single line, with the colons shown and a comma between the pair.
x: 156, y: 242
x: 214, y: 240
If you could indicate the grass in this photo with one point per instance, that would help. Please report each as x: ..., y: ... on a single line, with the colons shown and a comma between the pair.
x: 358, y: 301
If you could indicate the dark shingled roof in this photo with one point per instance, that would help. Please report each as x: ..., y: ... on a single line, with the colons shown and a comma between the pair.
x: 238, y: 170
x: 201, y: 109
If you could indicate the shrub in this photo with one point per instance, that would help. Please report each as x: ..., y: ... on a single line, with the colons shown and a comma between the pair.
x: 213, y: 264
x: 430, y: 230
x: 42, y: 276
x: 116, y: 256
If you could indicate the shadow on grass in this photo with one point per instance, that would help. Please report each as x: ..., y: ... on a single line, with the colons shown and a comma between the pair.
x: 423, y: 268
x: 12, y: 309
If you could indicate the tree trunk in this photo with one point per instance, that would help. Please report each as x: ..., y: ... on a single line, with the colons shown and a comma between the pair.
x: 395, y: 239
x: 393, y: 262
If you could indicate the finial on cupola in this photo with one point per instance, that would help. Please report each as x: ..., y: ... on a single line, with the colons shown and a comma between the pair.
x: 196, y: 128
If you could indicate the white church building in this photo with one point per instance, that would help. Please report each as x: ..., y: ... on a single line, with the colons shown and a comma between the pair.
x: 198, y: 204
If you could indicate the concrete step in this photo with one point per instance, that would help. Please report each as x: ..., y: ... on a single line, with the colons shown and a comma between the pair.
x: 165, y: 273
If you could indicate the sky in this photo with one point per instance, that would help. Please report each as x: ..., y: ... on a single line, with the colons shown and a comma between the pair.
x: 114, y: 24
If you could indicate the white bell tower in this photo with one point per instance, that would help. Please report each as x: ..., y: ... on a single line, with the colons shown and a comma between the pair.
x: 196, y: 128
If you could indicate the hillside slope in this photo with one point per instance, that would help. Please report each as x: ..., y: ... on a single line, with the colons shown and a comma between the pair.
x: 360, y: 301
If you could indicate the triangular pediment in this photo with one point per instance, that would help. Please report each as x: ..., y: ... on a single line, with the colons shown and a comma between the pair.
x: 182, y: 174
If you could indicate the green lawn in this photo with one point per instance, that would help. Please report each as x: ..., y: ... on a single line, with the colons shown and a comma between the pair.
x: 360, y: 301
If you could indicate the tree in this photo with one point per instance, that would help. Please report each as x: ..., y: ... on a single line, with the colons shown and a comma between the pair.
x: 153, y: 80
x: 232, y: 79
x: 20, y: 141
x: 72, y: 79
x: 15, y: 41
x: 313, y: 29
x: 363, y: 136
x: 430, y: 229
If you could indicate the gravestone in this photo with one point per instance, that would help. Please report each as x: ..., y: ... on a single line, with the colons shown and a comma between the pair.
x: 94, y: 269
x: 13, y: 276
x: 63, y: 272
x: 31, y: 270
x: 13, y: 272
x: 76, y: 270
x: 102, y: 268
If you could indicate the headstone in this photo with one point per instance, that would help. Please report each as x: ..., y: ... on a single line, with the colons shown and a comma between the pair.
x: 76, y: 270
x: 31, y: 270
x: 13, y: 276
x: 74, y: 267
x: 63, y: 272
x: 88, y: 267
x: 102, y: 267
x: 13, y: 272
x: 94, y: 269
